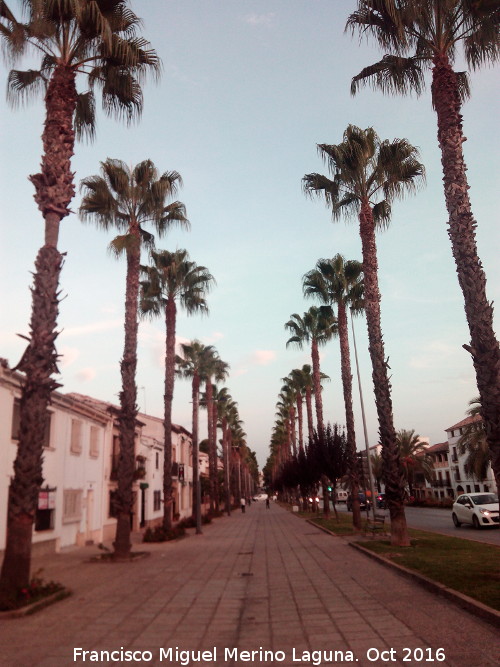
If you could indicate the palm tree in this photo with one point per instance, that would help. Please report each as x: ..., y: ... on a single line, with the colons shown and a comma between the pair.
x: 473, y: 443
x: 340, y: 282
x: 96, y: 40
x: 367, y: 174
x: 219, y: 370
x: 377, y: 468
x: 413, y: 457
x: 425, y: 34
x: 172, y: 277
x: 226, y: 409
x: 129, y: 199
x: 316, y: 326
x: 193, y: 364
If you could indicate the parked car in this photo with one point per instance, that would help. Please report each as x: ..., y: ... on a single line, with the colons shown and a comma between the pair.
x: 478, y: 509
x: 364, y: 502
x: 380, y: 499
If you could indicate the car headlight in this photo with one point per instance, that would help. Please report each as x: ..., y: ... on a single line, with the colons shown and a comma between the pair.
x: 485, y: 512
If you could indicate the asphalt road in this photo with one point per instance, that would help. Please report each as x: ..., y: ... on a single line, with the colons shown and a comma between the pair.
x: 439, y: 521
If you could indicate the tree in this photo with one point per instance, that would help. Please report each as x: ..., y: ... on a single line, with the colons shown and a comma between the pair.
x: 424, y: 34
x: 473, y: 443
x: 316, y: 326
x: 377, y: 468
x: 129, y: 199
x: 192, y: 364
x: 79, y: 39
x: 413, y: 457
x: 170, y: 279
x: 227, y: 411
x: 218, y: 369
x: 340, y: 282
x: 367, y: 175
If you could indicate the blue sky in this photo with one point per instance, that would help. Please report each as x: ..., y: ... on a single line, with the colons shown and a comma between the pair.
x: 248, y: 89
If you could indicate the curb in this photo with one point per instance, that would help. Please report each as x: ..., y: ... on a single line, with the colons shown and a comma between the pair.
x: 464, y: 601
x: 475, y: 607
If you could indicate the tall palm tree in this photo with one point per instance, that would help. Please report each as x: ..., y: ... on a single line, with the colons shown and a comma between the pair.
x: 424, y: 34
x: 193, y: 364
x: 340, y: 282
x: 97, y: 41
x: 170, y: 279
x: 218, y: 369
x: 225, y: 410
x: 413, y: 457
x: 129, y: 199
x: 316, y: 327
x: 367, y: 175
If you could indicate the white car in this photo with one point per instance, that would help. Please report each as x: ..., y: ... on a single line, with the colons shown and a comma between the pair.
x: 478, y: 509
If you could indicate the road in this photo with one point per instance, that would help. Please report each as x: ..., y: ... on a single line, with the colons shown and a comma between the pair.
x: 439, y: 521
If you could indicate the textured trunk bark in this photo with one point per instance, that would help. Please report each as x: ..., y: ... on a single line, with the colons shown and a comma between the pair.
x: 345, y: 365
x: 227, y: 472
x: 170, y: 323
x: 390, y: 454
x: 300, y: 421
x: 293, y: 432
x: 310, y: 425
x: 54, y: 191
x: 214, y: 435
x: 484, y: 347
x: 196, y: 466
x: 317, y: 386
x: 211, y: 452
x: 128, y: 403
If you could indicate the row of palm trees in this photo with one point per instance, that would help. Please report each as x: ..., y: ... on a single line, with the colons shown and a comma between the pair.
x: 367, y: 174
x: 97, y: 42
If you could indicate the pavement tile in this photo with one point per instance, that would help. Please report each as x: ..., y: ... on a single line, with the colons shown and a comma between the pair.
x: 192, y: 595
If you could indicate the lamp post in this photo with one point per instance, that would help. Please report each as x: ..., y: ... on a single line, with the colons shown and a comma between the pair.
x: 370, y: 475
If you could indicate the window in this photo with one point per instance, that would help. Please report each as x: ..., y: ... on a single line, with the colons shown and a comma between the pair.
x: 114, y: 458
x: 156, y: 501
x: 16, y: 413
x: 72, y: 505
x: 94, y: 442
x: 44, y: 517
x: 76, y: 436
x: 157, y: 460
x: 113, y: 511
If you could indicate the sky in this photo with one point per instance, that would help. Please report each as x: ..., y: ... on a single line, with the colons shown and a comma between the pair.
x: 248, y: 90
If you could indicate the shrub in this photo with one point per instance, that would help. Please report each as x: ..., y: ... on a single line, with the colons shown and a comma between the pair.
x: 159, y: 534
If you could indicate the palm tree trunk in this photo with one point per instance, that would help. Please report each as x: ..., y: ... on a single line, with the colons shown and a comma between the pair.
x: 196, y: 466
x: 309, y: 411
x: 345, y: 364
x: 54, y: 190
x: 483, y: 347
x: 293, y: 431
x: 300, y: 421
x: 317, y: 386
x: 227, y: 472
x: 170, y: 323
x: 128, y: 404
x: 382, y: 388
x: 214, y: 436
x: 211, y: 453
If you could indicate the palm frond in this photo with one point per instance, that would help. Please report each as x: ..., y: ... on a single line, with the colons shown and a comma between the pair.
x: 85, y: 116
x: 22, y: 86
x: 393, y: 74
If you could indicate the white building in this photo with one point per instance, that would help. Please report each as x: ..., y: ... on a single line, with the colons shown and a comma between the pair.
x: 80, y: 468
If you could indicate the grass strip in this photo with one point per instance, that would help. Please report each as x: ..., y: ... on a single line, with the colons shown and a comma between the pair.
x: 465, y: 566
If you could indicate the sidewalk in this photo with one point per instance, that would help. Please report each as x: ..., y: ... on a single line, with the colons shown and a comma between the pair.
x: 262, y: 581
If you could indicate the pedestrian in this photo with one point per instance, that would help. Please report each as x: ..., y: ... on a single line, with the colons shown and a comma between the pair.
x: 267, y: 502
x: 242, y: 503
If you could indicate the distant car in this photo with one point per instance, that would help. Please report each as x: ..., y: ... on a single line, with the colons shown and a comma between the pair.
x: 478, y: 509
x: 380, y: 500
x: 364, y: 503
x: 260, y: 496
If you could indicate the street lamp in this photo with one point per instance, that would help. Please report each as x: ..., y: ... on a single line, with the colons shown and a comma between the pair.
x: 370, y: 475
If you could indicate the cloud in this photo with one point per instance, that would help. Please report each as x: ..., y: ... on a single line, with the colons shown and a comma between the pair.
x: 259, y: 19
x: 436, y: 353
x: 68, y: 356
x: 263, y: 357
x: 94, y: 327
x: 86, y: 374
x: 210, y: 340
